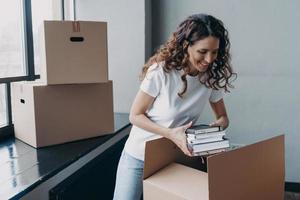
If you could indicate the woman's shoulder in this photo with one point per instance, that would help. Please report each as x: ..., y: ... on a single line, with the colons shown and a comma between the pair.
x: 157, y: 72
x: 155, y: 69
x: 159, y: 68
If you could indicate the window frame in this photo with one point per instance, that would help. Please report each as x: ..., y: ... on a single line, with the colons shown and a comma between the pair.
x: 8, y: 130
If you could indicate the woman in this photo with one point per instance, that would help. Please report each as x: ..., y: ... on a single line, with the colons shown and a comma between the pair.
x: 190, y: 69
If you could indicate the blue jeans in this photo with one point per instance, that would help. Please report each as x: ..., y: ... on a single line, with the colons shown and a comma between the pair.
x: 129, y: 180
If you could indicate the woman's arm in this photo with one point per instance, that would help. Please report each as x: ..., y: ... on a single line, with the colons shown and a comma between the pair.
x: 139, y: 118
x: 220, y: 113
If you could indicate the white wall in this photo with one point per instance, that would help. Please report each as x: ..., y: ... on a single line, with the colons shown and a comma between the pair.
x: 126, y: 43
x: 265, y: 53
x: 265, y: 46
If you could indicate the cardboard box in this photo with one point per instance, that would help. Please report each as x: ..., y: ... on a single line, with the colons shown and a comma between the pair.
x: 254, y: 171
x: 47, y: 115
x: 73, y: 52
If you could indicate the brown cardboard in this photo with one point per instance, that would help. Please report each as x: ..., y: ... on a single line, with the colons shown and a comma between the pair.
x: 193, y: 183
x: 254, y: 171
x: 65, y: 62
x: 62, y: 113
x: 155, y: 159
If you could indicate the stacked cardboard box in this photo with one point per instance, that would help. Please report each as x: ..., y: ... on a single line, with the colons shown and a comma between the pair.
x: 254, y: 171
x: 74, y: 98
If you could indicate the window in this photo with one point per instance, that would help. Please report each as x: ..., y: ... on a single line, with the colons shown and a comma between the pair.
x: 20, y: 21
x: 42, y: 10
x: 3, y: 111
x: 12, y: 37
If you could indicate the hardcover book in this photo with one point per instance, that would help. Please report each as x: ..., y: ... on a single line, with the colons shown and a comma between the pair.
x: 206, y: 153
x: 205, y: 135
x: 202, y: 128
x: 205, y: 140
x: 209, y: 146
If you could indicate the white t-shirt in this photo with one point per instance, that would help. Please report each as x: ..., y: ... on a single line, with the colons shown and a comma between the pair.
x: 168, y: 109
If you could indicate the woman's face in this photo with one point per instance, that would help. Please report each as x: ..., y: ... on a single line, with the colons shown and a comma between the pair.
x: 202, y: 53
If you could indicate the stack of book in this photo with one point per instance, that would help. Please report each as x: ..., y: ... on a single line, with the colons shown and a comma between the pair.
x: 204, y: 139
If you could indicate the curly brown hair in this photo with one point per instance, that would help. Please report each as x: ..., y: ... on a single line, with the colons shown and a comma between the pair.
x: 175, y: 56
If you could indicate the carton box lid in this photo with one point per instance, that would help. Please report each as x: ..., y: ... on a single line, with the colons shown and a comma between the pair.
x: 158, y: 154
x: 193, y: 183
x: 254, y: 171
x: 161, y: 152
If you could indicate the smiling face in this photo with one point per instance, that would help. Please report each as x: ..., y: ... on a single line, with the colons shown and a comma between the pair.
x: 203, y: 53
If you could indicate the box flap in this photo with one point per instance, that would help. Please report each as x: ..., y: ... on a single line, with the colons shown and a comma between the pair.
x: 254, y: 171
x: 158, y: 154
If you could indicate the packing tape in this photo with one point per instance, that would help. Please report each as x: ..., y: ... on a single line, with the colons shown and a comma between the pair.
x: 76, y: 26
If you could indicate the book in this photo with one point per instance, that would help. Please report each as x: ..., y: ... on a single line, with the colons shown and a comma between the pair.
x: 206, y: 153
x: 205, y: 135
x: 210, y: 152
x: 202, y: 128
x: 209, y: 146
x: 205, y: 140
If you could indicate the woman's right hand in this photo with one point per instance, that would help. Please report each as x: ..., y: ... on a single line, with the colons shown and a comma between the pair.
x: 178, y: 136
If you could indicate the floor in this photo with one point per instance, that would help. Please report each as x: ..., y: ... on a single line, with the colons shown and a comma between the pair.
x: 292, y: 196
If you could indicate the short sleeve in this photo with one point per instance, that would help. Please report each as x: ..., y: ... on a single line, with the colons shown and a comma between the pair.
x: 216, y: 95
x: 152, y: 82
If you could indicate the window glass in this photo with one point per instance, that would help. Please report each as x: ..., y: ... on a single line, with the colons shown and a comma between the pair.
x: 11, y: 37
x: 42, y: 10
x: 3, y: 110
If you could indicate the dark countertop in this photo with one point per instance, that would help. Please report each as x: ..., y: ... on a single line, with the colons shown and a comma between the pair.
x: 23, y: 167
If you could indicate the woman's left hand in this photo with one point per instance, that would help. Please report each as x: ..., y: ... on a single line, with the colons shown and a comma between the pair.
x: 222, y: 121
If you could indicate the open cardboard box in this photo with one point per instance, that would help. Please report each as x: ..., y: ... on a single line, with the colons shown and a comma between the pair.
x: 251, y: 172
